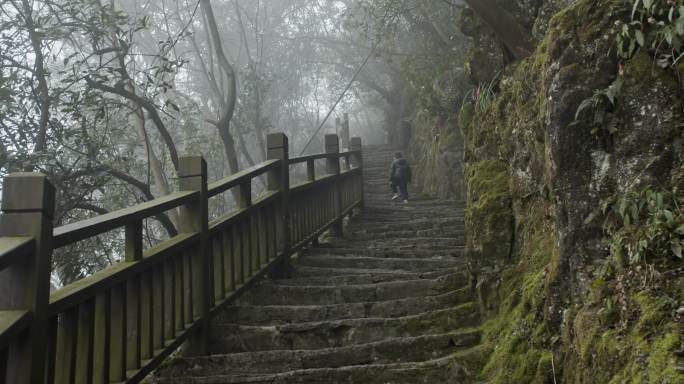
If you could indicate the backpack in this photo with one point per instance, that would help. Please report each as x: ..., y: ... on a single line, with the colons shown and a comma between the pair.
x: 401, y: 169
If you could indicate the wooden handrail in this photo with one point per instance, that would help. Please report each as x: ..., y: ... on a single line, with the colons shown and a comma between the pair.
x: 320, y: 156
x: 234, y: 180
x: 82, y: 230
x: 120, y: 323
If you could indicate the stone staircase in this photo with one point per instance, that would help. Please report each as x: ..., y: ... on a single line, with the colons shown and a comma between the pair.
x: 388, y: 303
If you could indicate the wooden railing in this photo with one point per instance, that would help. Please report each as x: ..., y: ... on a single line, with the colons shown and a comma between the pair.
x: 120, y: 323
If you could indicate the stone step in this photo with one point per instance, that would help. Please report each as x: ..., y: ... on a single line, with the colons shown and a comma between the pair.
x: 456, y: 232
x: 397, y: 350
x: 232, y: 338
x: 307, y: 271
x: 414, y: 225
x: 288, y: 314
x: 404, y: 264
x: 403, y: 214
x: 362, y: 279
x: 442, y: 370
x: 439, y: 245
x: 387, y: 253
x: 278, y: 294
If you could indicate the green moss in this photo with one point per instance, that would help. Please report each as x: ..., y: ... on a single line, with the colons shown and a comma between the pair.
x: 640, y: 347
x: 518, y: 333
x: 662, y: 363
x: 489, y: 213
x: 514, y: 356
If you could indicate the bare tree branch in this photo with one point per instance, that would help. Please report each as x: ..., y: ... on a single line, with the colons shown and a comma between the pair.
x: 148, y: 106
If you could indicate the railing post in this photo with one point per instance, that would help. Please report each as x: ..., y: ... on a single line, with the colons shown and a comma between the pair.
x: 192, y: 174
x: 28, y: 204
x: 279, y: 180
x: 357, y: 161
x: 332, y: 166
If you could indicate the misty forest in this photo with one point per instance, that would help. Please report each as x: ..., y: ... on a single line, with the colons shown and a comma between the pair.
x: 342, y: 191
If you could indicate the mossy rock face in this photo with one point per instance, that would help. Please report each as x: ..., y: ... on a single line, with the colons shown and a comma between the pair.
x: 647, y: 350
x: 489, y: 217
x: 550, y: 304
x: 437, y: 154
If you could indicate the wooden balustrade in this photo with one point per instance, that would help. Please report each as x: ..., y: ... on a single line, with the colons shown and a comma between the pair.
x: 122, y: 322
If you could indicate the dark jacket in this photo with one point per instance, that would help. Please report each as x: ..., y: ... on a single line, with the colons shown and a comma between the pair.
x: 400, y: 170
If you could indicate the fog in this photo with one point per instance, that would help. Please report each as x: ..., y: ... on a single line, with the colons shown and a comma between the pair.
x: 104, y: 96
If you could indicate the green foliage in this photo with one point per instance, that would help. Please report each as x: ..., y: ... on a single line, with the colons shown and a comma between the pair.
x: 484, y: 95
x: 644, y: 225
x: 657, y: 25
x: 600, y: 107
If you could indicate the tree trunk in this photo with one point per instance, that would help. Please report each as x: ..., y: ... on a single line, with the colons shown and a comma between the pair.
x: 41, y: 76
x: 228, y: 104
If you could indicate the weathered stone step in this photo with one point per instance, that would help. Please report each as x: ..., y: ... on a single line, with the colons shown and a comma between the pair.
x: 306, y: 271
x: 364, y: 279
x: 388, y: 252
x: 279, y: 294
x: 402, y: 214
x: 288, y: 314
x: 436, y: 244
x: 457, y: 232
x: 380, y: 228
x: 429, y: 372
x: 231, y: 338
x: 415, y: 225
x: 404, y: 264
x: 398, y: 350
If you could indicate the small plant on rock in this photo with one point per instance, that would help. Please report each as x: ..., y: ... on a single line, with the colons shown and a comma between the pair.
x: 644, y: 225
x: 657, y: 25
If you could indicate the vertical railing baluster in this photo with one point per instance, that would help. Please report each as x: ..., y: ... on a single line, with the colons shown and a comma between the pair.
x: 133, y: 336
x: 117, y: 338
x: 28, y: 204
x: 84, y: 345
x: 246, y: 248
x: 229, y: 260
x: 178, y: 267
x: 245, y: 203
x: 219, y: 270
x: 187, y: 270
x: 170, y: 301
x: 272, y: 233
x: 237, y: 254
x: 146, y: 317
x: 67, y: 331
x: 158, y: 308
x: 102, y: 324
x: 263, y: 238
x: 4, y: 355
x: 357, y: 162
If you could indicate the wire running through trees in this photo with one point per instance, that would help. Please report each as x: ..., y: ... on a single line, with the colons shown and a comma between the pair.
x: 358, y: 71
x: 351, y: 82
